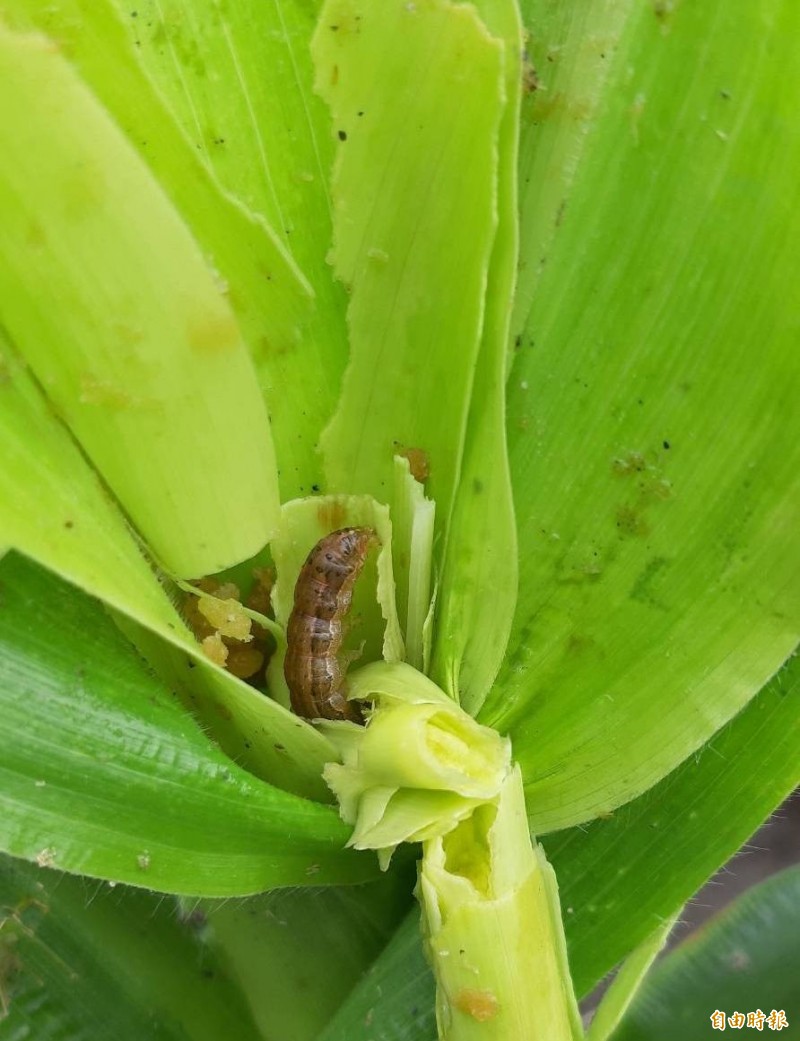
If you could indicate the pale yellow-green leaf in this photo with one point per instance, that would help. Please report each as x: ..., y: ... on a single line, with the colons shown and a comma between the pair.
x: 252, y: 264
x: 238, y: 78
x: 416, y: 95
x: 412, y: 554
x: 479, y: 575
x: 108, y: 298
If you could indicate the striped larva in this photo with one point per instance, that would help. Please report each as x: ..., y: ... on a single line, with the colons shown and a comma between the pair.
x: 322, y: 596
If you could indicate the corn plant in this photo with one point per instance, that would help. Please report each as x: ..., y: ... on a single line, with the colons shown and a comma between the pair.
x: 507, y: 289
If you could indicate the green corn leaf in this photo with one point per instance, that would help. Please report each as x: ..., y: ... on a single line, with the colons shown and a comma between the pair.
x: 83, y: 961
x: 54, y: 509
x: 105, y: 774
x: 569, y: 59
x: 627, y: 982
x: 409, y: 130
x: 413, y: 527
x: 269, y: 295
x: 622, y: 877
x: 479, y: 574
x: 743, y: 961
x: 313, y: 943
x: 110, y: 302
x: 238, y: 78
x: 395, y: 1000
x: 266, y: 289
x: 252, y: 729
x: 652, y: 431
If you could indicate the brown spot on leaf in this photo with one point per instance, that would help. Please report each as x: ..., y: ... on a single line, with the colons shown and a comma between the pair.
x: 481, y: 1005
x: 418, y: 463
x: 332, y: 514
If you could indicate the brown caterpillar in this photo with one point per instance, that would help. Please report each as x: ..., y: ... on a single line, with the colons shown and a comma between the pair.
x: 322, y: 596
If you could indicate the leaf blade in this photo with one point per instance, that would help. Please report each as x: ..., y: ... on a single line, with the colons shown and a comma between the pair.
x: 110, y: 301
x: 481, y: 552
x: 132, y: 789
x: 624, y: 875
x: 745, y: 959
x: 408, y: 306
x: 258, y: 124
x: 657, y: 592
x: 310, y: 941
x: 81, y: 965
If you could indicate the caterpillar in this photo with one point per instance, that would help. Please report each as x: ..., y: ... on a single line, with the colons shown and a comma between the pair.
x: 313, y: 668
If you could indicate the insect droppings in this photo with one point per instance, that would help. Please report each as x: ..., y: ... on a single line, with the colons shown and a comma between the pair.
x: 313, y: 668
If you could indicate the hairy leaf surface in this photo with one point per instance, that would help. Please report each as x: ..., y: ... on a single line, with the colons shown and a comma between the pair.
x: 80, y: 960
